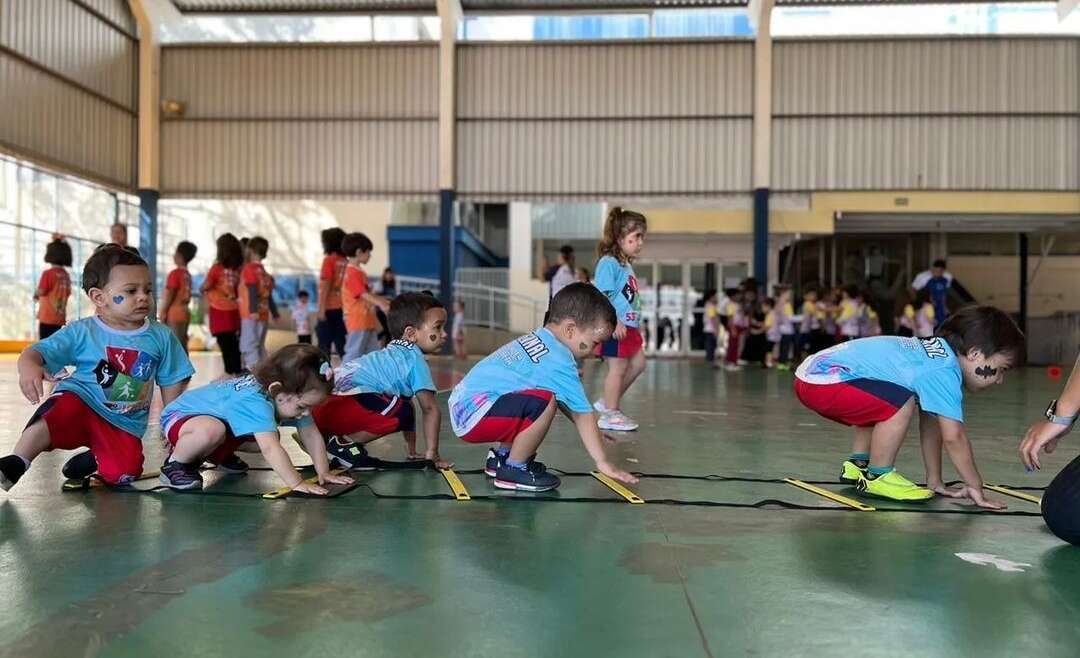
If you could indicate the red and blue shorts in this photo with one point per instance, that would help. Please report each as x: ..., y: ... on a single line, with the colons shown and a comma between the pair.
x: 856, y: 403
x: 512, y: 414
x: 227, y: 448
x: 73, y: 424
x: 631, y: 344
x: 374, y: 413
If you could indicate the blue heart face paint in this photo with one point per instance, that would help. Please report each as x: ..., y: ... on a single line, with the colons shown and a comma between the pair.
x: 118, y: 300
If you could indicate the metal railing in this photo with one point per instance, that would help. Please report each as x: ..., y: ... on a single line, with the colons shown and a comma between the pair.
x: 493, y: 307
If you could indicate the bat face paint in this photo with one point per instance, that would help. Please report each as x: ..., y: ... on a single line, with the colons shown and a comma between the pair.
x: 986, y: 371
x: 119, y: 299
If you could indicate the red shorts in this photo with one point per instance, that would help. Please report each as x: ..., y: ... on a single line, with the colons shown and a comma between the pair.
x: 375, y: 413
x: 229, y: 446
x: 73, y: 424
x: 857, y: 403
x: 224, y: 322
x: 630, y: 345
x: 512, y: 414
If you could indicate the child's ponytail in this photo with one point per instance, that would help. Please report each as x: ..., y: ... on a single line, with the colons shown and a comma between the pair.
x: 619, y: 224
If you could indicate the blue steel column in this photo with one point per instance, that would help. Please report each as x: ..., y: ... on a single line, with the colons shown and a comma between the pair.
x: 446, y: 248
x: 148, y: 229
x: 761, y: 236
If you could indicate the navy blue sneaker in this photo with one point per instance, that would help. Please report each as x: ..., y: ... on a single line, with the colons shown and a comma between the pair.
x: 80, y: 466
x: 12, y: 468
x: 534, y: 477
x: 352, y: 456
x: 183, y: 477
x: 234, y: 465
x: 493, y: 464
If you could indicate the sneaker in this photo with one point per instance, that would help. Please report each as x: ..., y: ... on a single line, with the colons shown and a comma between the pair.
x: 183, y: 477
x: 600, y: 407
x: 234, y: 465
x: 893, y: 486
x: 11, y: 469
x: 534, y: 477
x: 493, y: 464
x: 80, y: 466
x: 732, y: 367
x: 617, y: 421
x: 851, y: 473
x: 783, y: 367
x: 352, y: 456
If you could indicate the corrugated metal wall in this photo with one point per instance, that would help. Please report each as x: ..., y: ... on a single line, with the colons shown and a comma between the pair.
x: 74, y: 66
x: 965, y: 114
x: 296, y: 121
x: 595, y: 120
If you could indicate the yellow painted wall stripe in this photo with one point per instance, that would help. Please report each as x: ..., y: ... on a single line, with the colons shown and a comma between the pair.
x: 456, y: 485
x: 825, y: 493
x: 618, y: 488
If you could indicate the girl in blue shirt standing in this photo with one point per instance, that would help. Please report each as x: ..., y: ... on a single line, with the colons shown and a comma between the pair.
x: 624, y: 238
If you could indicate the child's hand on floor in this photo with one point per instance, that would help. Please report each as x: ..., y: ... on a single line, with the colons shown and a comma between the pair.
x: 976, y: 496
x: 610, y: 470
x: 940, y: 488
x: 310, y: 488
x: 330, y: 478
x: 440, y: 463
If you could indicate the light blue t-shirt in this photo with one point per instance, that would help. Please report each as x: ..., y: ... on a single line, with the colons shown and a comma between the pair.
x: 397, y: 369
x: 925, y: 366
x: 115, y: 370
x: 241, y: 403
x: 534, y: 361
x: 618, y: 282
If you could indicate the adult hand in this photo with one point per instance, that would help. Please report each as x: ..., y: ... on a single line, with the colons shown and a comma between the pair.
x: 1043, y: 436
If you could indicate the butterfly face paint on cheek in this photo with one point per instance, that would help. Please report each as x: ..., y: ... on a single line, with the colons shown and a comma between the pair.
x: 986, y: 371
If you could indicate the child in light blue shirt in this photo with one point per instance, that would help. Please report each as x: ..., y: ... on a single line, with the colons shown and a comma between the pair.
x: 373, y: 395
x: 510, y: 397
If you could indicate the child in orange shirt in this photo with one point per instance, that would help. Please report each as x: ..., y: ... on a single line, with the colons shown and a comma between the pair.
x: 54, y: 288
x: 361, y: 322
x: 256, y: 303
x: 174, y: 310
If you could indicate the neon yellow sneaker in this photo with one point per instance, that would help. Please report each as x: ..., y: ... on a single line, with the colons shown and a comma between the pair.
x: 893, y: 486
x: 851, y: 473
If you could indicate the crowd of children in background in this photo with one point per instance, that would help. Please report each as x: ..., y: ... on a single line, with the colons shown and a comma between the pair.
x: 775, y: 332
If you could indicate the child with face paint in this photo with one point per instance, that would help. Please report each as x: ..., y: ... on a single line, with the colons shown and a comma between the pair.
x: 119, y: 355
x: 373, y: 395
x: 510, y: 397
x: 877, y: 385
x: 210, y: 423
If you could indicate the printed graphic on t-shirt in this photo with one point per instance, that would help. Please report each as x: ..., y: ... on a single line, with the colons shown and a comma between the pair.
x: 126, y: 376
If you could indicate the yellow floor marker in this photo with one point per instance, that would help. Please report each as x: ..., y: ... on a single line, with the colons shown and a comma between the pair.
x: 285, y: 491
x: 618, y: 488
x: 825, y: 493
x: 79, y: 485
x: 1015, y: 494
x: 460, y: 492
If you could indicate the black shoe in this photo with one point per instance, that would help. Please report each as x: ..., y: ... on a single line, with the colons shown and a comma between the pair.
x: 494, y: 463
x: 529, y: 478
x: 184, y: 477
x: 12, y: 468
x: 351, y: 455
x: 80, y: 466
x: 234, y: 465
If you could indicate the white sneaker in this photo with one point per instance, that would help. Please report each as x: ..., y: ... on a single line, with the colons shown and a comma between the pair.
x: 732, y: 367
x: 600, y: 407
x: 617, y: 421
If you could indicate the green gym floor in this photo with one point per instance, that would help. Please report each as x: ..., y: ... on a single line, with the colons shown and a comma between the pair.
x: 101, y: 573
